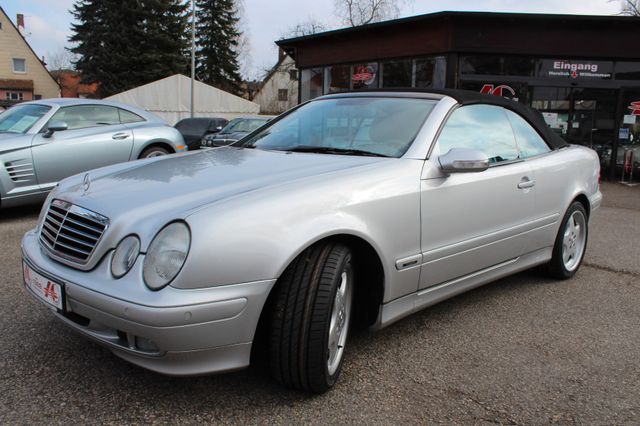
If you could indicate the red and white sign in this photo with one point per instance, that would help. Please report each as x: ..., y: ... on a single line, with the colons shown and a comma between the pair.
x: 501, y: 90
x: 635, y: 108
x: 42, y: 287
x: 365, y: 74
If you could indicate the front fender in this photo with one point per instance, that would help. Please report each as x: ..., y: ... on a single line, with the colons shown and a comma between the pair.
x: 255, y: 236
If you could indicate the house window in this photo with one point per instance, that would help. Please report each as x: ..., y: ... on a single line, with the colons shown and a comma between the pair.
x: 283, y: 94
x: 37, y: 97
x: 14, y: 96
x: 19, y: 65
x: 293, y: 74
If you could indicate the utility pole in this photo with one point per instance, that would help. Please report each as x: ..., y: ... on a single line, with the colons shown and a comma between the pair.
x: 193, y: 53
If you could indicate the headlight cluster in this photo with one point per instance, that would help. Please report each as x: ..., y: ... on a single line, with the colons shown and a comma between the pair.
x: 164, y: 258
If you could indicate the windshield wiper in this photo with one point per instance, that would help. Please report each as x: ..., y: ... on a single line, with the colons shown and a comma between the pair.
x: 333, y: 150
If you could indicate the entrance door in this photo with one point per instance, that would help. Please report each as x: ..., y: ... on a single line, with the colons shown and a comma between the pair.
x: 629, y: 135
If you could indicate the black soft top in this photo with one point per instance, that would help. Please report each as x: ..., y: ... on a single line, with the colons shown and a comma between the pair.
x: 468, y: 97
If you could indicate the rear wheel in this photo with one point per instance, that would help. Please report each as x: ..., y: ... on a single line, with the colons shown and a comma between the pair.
x: 154, y: 151
x: 310, y: 318
x: 571, y: 243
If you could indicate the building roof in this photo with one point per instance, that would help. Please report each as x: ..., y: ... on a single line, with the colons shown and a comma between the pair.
x: 543, y: 35
x: 455, y: 14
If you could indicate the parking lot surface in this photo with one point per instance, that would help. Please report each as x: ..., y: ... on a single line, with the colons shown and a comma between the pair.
x: 522, y: 350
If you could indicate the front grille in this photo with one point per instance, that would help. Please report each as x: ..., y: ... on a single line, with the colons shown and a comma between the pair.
x: 71, y: 232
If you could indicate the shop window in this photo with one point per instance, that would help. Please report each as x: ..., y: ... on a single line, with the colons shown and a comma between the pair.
x: 364, y: 76
x: 430, y: 72
x: 628, y: 71
x: 14, y: 96
x: 19, y: 65
x: 283, y: 94
x: 337, y: 78
x: 396, y: 74
x: 311, y: 83
x: 497, y: 65
x: 480, y: 65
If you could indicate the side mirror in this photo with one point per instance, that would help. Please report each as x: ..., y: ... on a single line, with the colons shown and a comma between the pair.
x: 55, y: 126
x: 463, y: 160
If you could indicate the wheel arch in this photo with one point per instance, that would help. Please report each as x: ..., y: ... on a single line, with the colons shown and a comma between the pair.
x: 369, y: 283
x: 160, y: 143
x: 584, y: 200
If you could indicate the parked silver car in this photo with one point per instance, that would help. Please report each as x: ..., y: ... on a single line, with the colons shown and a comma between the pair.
x: 350, y: 209
x: 45, y: 141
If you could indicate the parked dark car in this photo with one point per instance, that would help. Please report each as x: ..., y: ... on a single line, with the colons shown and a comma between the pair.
x: 194, y: 129
x: 235, y: 130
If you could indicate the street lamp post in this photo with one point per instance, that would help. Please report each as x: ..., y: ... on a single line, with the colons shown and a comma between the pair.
x: 193, y: 53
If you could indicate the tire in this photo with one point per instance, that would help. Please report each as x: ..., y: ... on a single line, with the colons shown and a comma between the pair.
x: 570, y: 245
x: 154, y: 151
x: 311, y: 312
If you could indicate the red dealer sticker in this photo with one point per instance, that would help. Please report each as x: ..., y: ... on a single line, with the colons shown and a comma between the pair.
x: 635, y: 108
x: 501, y: 90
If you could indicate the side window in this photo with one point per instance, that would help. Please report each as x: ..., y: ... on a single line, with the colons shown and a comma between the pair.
x: 529, y: 141
x: 482, y: 127
x: 85, y: 116
x: 128, y: 116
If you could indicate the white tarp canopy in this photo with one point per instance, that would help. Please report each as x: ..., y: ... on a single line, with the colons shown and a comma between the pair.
x: 169, y: 98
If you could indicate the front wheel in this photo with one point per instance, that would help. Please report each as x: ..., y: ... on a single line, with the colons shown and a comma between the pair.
x: 154, y: 151
x: 310, y: 318
x: 571, y: 243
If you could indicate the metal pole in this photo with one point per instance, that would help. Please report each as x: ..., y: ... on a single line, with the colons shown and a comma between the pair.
x: 193, y: 52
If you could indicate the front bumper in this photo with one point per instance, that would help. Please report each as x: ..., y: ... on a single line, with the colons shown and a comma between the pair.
x: 171, y: 331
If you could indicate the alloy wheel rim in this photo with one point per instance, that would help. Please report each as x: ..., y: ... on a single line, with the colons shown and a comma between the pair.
x: 574, y: 240
x: 339, y: 325
x: 155, y: 154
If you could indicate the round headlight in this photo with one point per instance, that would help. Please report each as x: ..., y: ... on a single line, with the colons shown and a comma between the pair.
x: 166, y: 255
x: 125, y: 256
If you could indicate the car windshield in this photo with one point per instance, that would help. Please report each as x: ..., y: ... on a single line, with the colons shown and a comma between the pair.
x: 19, y: 119
x: 380, y: 126
x: 247, y: 125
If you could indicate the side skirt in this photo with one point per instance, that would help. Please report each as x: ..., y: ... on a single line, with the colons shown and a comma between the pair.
x: 406, y: 305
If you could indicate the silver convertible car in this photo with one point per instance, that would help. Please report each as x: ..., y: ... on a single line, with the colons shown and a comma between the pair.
x: 350, y: 210
x: 45, y: 141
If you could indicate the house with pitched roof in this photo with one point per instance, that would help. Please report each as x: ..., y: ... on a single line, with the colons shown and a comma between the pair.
x: 23, y: 76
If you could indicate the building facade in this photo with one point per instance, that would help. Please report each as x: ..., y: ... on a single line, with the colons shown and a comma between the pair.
x: 279, y: 89
x: 581, y: 72
x: 23, y: 76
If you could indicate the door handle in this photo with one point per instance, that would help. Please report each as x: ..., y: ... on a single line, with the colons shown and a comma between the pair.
x: 120, y: 135
x: 526, y: 183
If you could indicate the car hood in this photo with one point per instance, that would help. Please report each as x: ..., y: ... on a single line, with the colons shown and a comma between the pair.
x: 13, y: 142
x: 175, y: 185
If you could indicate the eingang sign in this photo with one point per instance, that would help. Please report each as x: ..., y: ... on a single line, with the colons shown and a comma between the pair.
x: 575, y: 69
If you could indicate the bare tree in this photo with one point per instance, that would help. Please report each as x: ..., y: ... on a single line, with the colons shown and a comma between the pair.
x: 362, y: 12
x: 60, y: 59
x: 305, y: 28
x: 630, y: 7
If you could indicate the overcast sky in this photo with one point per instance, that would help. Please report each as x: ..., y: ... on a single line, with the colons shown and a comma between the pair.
x: 48, y: 21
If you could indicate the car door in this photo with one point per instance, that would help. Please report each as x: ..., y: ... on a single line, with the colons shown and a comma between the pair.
x: 94, y: 138
x: 549, y: 171
x: 474, y: 221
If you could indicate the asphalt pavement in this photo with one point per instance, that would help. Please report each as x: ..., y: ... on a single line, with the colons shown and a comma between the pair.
x: 522, y: 350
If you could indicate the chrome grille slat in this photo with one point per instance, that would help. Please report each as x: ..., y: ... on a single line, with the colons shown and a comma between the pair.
x: 71, y: 233
x: 96, y: 230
